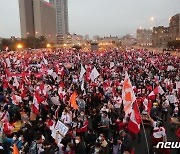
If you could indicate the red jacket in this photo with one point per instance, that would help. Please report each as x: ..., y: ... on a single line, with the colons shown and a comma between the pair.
x: 84, y: 128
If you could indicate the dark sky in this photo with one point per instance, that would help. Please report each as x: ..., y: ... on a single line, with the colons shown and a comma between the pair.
x: 99, y: 17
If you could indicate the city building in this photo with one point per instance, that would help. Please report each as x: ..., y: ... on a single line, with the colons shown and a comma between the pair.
x: 96, y: 37
x: 26, y: 18
x: 62, y: 19
x: 174, y: 28
x: 144, y: 37
x: 73, y: 39
x: 160, y: 36
x: 113, y: 41
x: 86, y: 37
x: 128, y: 40
x: 37, y: 18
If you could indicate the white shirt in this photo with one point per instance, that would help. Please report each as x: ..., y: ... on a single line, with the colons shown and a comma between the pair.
x: 66, y: 118
x: 171, y: 98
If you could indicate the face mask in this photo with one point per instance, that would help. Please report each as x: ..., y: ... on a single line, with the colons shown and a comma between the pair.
x: 14, y: 138
x: 76, y: 141
x: 82, y: 114
x: 68, y: 149
x: 100, y: 138
x: 20, y: 138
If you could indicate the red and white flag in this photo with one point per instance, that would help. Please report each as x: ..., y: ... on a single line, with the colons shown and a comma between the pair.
x: 135, y: 120
x: 128, y: 95
x: 37, y: 99
x: 4, y: 116
x: 157, y: 90
x: 24, y: 78
x: 16, y: 99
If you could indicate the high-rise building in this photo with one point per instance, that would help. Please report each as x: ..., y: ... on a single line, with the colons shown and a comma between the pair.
x: 174, y: 28
x: 26, y: 18
x: 37, y: 18
x: 62, y: 18
x: 144, y: 37
x: 160, y: 36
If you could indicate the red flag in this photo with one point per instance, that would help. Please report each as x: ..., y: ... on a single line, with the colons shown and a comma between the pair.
x: 135, y: 120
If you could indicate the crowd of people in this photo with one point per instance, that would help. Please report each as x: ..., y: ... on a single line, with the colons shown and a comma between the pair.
x: 83, y: 92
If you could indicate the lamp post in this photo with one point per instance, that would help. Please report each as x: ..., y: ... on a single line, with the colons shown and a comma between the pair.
x: 48, y: 45
x: 154, y: 19
x: 19, y: 46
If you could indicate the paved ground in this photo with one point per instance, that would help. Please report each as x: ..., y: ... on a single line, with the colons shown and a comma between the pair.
x: 141, y: 148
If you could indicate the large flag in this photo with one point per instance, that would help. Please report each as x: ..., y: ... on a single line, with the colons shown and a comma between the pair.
x: 128, y: 95
x: 157, y: 90
x: 94, y: 74
x: 135, y: 120
x: 83, y: 71
x: 73, y: 101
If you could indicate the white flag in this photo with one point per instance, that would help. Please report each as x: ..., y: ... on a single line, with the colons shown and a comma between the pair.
x: 45, y: 61
x: 8, y: 62
x: 170, y: 68
x: 94, y: 74
x: 82, y: 85
x: 55, y: 100
x: 78, y: 57
x: 15, y: 82
x: 111, y: 64
x: 83, y: 71
x: 139, y: 59
x: 50, y: 72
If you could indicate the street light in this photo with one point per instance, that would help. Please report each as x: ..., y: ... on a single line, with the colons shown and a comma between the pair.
x: 19, y: 46
x: 48, y: 45
x: 152, y: 19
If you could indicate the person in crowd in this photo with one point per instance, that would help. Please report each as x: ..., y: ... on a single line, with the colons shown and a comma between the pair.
x: 165, y: 107
x: 104, y: 144
x: 125, y: 141
x: 96, y: 149
x: 90, y: 140
x: 79, y: 146
x: 70, y: 149
x: 104, y: 124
